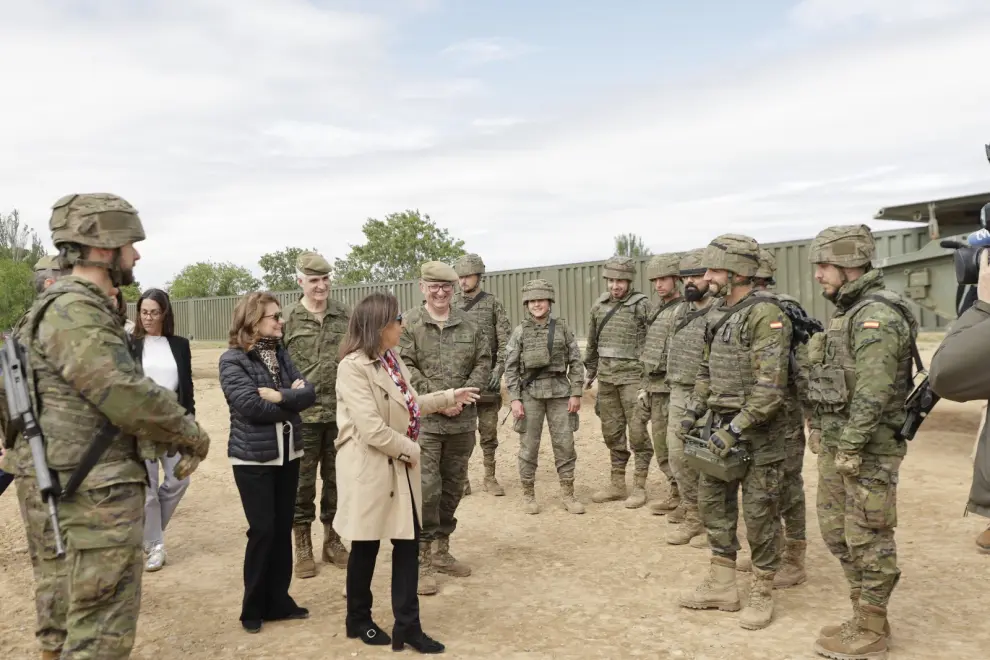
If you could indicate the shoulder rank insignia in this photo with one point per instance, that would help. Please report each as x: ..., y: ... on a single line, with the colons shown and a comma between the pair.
x: 871, y: 325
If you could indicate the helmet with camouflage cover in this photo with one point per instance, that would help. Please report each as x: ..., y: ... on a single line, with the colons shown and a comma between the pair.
x: 98, y: 220
x: 537, y: 290
x: 663, y: 265
x: 845, y: 246
x: 47, y: 262
x: 690, y: 264
x: 469, y: 264
x: 732, y: 252
x: 768, y: 265
x: 619, y: 268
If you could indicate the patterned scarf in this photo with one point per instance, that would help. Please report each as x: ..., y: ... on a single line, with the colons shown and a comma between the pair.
x: 266, y: 349
x: 392, y: 366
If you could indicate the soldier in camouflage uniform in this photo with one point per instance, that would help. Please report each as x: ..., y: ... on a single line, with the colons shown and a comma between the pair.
x: 488, y: 313
x: 83, y: 380
x: 686, y: 341
x: 314, y: 326
x: 543, y: 375
x: 742, y: 382
x: 443, y: 348
x: 654, y: 393
x: 859, y: 379
x: 616, y: 334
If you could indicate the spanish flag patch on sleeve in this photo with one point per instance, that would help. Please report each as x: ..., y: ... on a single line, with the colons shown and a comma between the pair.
x: 776, y: 325
x: 871, y: 325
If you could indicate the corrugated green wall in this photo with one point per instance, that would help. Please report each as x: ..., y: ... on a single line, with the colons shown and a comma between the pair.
x: 577, y: 286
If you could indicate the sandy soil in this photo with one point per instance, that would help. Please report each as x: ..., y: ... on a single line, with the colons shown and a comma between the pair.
x: 601, y: 585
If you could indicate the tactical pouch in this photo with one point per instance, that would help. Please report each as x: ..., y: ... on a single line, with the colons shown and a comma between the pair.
x: 536, y: 355
x: 827, y: 384
x: 816, y: 348
x: 731, y: 468
x: 519, y: 425
x: 574, y: 420
x: 490, y: 397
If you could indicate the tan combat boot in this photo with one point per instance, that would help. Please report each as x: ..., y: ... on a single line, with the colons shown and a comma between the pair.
x: 701, y: 541
x: 665, y: 506
x: 866, y: 640
x: 637, y: 497
x: 744, y: 562
x: 690, y: 528
x: 718, y: 590
x: 616, y: 491
x: 567, y: 497
x: 529, y: 498
x: 792, y: 571
x: 491, y: 485
x: 850, y: 624
x: 51, y: 655
x: 759, y: 606
x: 334, y: 551
x: 676, y: 516
x: 444, y: 562
x: 983, y: 541
x: 305, y: 565
x: 427, y: 574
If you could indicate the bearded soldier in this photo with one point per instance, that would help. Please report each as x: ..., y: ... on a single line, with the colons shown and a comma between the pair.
x: 860, y: 375
x: 616, y: 334
x: 654, y: 394
x: 87, y: 390
x: 544, y: 374
x: 488, y: 313
x: 742, y: 382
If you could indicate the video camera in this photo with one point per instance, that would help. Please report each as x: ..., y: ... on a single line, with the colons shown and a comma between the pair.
x: 967, y: 255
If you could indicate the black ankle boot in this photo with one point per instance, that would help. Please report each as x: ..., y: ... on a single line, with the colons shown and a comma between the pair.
x: 417, y: 639
x: 369, y: 633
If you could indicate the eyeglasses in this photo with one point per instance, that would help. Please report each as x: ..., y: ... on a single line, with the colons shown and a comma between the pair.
x: 398, y: 319
x: 440, y: 287
x: 277, y: 316
x: 151, y: 313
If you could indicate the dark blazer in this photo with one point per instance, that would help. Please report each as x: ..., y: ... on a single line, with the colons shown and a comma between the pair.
x: 183, y: 360
x: 252, y: 419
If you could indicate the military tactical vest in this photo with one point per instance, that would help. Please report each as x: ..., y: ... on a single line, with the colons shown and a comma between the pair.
x: 686, y: 345
x: 655, y: 349
x: 620, y: 336
x: 482, y: 313
x: 533, y: 352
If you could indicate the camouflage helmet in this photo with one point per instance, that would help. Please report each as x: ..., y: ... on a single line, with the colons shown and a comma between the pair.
x: 619, y: 268
x: 690, y: 265
x: 469, y: 264
x: 663, y: 265
x: 768, y: 265
x: 845, y: 246
x: 732, y: 252
x: 47, y: 262
x: 98, y: 220
x: 537, y: 290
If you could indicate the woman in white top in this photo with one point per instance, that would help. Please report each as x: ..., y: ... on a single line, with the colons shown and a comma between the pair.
x: 167, y: 360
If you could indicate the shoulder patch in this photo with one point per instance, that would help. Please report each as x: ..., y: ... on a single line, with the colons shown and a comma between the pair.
x: 776, y: 325
x: 872, y: 325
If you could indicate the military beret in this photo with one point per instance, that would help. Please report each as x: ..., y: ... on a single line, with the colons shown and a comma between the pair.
x: 310, y: 263
x: 437, y: 271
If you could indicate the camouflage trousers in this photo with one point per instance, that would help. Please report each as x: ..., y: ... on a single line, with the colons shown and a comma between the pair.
x: 319, y: 454
x: 658, y: 419
x: 87, y: 603
x: 792, y: 501
x: 561, y: 437
x: 444, y: 459
x: 686, y: 477
x: 718, y: 502
x: 857, y: 516
x: 619, y: 410
x: 488, y: 430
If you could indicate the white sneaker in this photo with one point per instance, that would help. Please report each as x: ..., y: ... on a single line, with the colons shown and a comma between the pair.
x: 156, y: 558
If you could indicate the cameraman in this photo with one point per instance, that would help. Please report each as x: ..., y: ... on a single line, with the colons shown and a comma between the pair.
x: 957, y: 373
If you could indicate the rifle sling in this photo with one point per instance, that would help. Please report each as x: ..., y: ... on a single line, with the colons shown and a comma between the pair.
x: 538, y: 372
x: 474, y: 301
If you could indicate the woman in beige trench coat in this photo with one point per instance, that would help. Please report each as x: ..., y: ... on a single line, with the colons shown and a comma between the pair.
x: 379, y: 491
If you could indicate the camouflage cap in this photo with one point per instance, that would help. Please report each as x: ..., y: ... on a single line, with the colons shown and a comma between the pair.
x: 469, y: 264
x: 47, y: 262
x: 690, y: 264
x: 97, y: 220
x: 846, y: 246
x: 733, y: 252
x: 437, y: 271
x: 619, y: 268
x: 663, y: 265
x: 537, y: 290
x: 311, y: 263
x: 768, y: 265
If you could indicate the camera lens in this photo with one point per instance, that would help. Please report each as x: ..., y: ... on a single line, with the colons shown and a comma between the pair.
x: 967, y: 264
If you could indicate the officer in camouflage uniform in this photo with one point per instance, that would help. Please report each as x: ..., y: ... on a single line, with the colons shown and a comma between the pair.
x: 616, y: 334
x: 488, y: 313
x: 654, y: 394
x: 742, y: 383
x: 686, y: 345
x: 314, y: 326
x: 83, y: 378
x: 859, y: 379
x: 443, y: 348
x: 544, y: 380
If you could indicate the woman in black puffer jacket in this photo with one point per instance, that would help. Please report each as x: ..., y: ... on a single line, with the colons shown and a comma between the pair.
x: 265, y: 393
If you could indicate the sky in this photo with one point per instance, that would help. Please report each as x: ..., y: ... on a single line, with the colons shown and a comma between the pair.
x: 535, y: 131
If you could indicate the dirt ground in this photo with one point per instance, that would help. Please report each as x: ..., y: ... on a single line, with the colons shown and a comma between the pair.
x: 555, y: 585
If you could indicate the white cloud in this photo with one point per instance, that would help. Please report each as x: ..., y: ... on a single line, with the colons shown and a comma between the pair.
x: 829, y: 13
x: 483, y: 51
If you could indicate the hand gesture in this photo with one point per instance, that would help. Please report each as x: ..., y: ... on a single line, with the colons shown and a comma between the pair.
x: 518, y: 412
x: 270, y: 395
x: 453, y: 411
x: 298, y: 384
x: 466, y: 395
x: 186, y: 466
x: 574, y: 404
x: 815, y: 441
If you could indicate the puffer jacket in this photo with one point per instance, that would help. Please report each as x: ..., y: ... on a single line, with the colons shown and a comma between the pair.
x: 252, y: 418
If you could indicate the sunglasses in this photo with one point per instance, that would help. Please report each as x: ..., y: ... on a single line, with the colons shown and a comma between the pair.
x: 398, y: 319
x: 277, y: 316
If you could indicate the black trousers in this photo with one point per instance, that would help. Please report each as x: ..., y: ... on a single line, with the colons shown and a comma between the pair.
x: 268, y: 494
x: 405, y: 581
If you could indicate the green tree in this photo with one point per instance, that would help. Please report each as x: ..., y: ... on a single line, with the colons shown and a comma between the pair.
x: 16, y: 291
x: 630, y: 245
x: 18, y: 241
x: 394, y: 249
x: 132, y: 291
x: 280, y: 268
x: 206, y: 279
